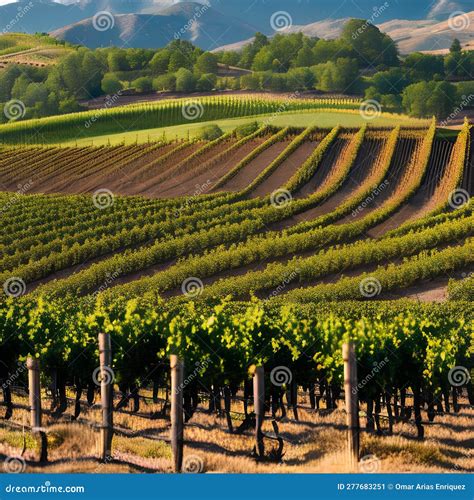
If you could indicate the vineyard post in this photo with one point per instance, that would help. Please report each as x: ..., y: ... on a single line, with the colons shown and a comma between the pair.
x: 106, y: 393
x: 352, y: 405
x: 177, y: 424
x: 34, y: 393
x: 259, y: 408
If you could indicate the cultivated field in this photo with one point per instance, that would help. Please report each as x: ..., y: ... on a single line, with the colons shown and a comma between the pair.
x: 237, y: 254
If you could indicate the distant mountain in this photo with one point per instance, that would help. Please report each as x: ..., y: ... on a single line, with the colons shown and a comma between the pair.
x: 41, y: 15
x: 213, y: 23
x: 189, y: 21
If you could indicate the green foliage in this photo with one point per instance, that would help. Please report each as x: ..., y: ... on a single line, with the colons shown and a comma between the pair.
x: 185, y: 81
x: 206, y: 63
x: 143, y: 84
x: 246, y: 129
x: 111, y: 84
x: 210, y: 132
x: 426, y: 99
x: 373, y: 48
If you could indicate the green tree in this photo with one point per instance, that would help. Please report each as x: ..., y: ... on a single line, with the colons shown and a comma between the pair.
x: 143, y: 84
x: 185, y: 81
x: 160, y: 62
x: 371, y: 45
x: 206, y: 63
x: 305, y: 57
x: 206, y: 82
x: 111, y: 84
x: 178, y: 60
x: 165, y: 83
x: 455, y: 47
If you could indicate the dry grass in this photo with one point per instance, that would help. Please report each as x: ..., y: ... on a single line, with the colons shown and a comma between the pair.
x: 314, y: 444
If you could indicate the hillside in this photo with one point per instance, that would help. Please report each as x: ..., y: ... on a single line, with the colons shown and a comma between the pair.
x: 207, y: 29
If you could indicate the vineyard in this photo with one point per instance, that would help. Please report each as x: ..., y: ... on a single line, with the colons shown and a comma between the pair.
x: 256, y: 261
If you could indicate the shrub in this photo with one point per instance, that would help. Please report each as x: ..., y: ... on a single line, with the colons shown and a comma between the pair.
x: 246, y: 129
x: 210, y: 132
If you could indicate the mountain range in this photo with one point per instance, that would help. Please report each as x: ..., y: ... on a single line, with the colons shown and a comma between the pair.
x: 210, y: 24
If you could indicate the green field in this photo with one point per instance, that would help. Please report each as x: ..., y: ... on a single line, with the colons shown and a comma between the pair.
x: 325, y: 119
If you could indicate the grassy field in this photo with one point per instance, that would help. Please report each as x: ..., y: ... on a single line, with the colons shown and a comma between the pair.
x: 325, y: 119
x: 20, y: 48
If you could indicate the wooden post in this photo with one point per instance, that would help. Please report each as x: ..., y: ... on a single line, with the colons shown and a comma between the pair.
x: 106, y: 393
x: 34, y: 394
x: 177, y: 425
x: 259, y: 408
x: 352, y: 406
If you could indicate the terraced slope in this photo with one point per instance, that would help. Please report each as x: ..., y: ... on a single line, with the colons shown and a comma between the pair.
x: 307, y: 212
